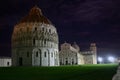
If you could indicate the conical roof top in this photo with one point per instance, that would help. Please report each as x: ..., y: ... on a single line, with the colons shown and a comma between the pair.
x: 35, y: 15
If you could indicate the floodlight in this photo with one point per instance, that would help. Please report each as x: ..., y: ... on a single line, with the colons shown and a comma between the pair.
x: 111, y: 59
x: 100, y: 59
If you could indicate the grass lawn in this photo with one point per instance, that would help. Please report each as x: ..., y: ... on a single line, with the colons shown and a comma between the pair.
x: 81, y: 72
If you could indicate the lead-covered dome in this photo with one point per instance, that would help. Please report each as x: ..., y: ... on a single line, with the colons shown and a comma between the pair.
x: 35, y: 26
x: 76, y: 46
x: 35, y: 15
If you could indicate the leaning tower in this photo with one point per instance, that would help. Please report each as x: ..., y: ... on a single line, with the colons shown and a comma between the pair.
x: 93, y: 48
x: 35, y: 41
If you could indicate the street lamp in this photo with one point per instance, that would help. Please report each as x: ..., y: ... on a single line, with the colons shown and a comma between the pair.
x: 100, y: 59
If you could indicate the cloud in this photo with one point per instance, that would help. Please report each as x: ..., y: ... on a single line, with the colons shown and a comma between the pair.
x: 94, y: 11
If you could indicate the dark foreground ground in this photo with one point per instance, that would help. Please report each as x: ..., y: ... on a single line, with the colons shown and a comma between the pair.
x: 81, y: 72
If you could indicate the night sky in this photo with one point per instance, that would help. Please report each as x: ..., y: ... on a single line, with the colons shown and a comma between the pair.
x: 80, y: 21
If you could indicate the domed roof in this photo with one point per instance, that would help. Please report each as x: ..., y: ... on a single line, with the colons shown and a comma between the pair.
x: 76, y: 46
x: 35, y: 15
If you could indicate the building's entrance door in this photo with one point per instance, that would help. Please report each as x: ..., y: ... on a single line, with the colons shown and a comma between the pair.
x: 20, y: 61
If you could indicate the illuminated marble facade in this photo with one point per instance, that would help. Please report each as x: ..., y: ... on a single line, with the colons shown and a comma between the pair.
x: 71, y: 55
x: 35, y: 41
x: 5, y: 62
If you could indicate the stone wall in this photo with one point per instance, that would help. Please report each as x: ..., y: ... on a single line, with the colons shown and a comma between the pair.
x: 5, y: 62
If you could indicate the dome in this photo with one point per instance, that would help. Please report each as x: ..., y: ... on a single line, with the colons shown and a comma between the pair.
x: 76, y: 46
x: 35, y: 15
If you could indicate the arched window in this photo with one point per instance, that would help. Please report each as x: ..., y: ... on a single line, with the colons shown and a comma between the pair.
x: 8, y: 63
x: 44, y: 41
x: 37, y: 54
x: 49, y: 30
x: 33, y: 41
x: 35, y: 29
x: 66, y: 61
x: 43, y: 29
x: 27, y: 54
x: 45, y: 54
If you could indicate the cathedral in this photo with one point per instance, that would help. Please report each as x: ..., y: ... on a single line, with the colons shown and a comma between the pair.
x: 71, y: 54
x: 35, y: 41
